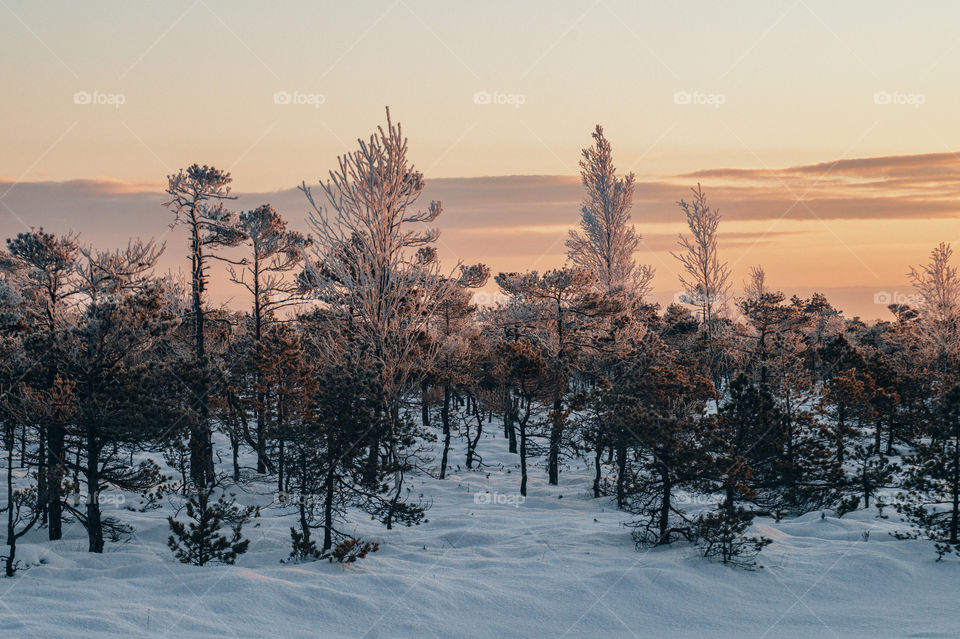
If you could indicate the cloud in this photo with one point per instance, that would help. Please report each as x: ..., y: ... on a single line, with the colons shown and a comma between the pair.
x: 879, y: 188
x: 859, y: 219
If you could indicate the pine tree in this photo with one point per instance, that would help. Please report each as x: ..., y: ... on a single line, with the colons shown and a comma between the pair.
x: 721, y: 534
x: 662, y: 406
x: 931, y: 496
x: 46, y: 265
x: 274, y: 253
x: 561, y: 307
x: 197, y: 197
x: 199, y: 540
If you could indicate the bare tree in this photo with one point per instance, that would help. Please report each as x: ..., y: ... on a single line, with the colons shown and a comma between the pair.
x: 703, y: 275
x: 376, y: 268
x: 606, y: 241
x: 938, y: 286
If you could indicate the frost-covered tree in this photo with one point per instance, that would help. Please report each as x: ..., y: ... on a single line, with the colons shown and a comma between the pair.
x: 45, y: 265
x: 374, y: 266
x: 606, y: 241
x: 21, y: 509
x: 662, y: 408
x: 770, y: 323
x: 705, y: 278
x: 938, y: 287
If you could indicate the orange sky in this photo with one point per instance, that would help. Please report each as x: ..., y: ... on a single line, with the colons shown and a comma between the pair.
x: 101, y: 100
x: 850, y: 228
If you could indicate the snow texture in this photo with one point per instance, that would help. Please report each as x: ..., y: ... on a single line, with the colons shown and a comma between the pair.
x: 560, y: 564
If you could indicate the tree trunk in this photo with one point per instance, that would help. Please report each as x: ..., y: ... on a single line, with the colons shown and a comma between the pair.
x: 261, y: 433
x: 201, y: 444
x: 472, y: 443
x: 666, y: 491
x: 11, y: 531
x: 876, y: 436
x: 890, y: 428
x: 597, y: 459
x: 445, y: 422
x: 523, y: 458
x: 621, y: 475
x: 55, y: 466
x: 281, y: 465
x: 424, y: 408
x: 328, y: 508
x: 235, y: 446
x: 955, y: 490
x: 841, y: 426
x: 372, y: 467
x: 509, y: 422
x: 556, y: 434
x: 94, y: 523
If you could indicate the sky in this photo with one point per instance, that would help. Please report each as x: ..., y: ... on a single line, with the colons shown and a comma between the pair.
x: 826, y: 132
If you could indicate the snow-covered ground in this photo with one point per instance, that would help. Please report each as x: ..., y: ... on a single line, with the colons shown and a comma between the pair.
x: 561, y: 564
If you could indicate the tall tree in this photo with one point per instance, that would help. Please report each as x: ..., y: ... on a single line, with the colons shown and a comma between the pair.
x: 606, y: 241
x: 197, y: 200
x: 704, y: 276
x: 274, y: 253
x: 375, y: 268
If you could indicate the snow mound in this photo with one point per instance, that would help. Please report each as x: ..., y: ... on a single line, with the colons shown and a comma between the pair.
x: 487, y: 563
